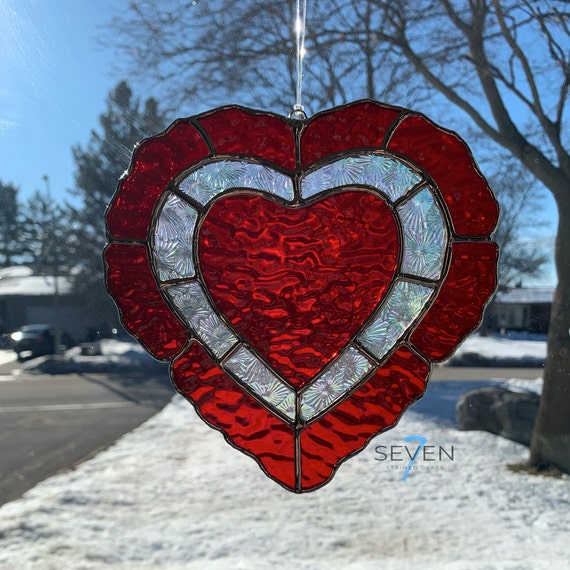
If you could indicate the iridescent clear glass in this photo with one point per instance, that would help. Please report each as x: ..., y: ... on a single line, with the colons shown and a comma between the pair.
x: 349, y: 368
x: 425, y: 235
x: 207, y: 181
x: 403, y: 305
x: 388, y: 175
x: 191, y: 301
x: 172, y: 242
x: 255, y: 375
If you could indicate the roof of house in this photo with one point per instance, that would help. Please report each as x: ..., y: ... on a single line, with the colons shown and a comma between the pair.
x: 526, y: 296
x: 20, y: 281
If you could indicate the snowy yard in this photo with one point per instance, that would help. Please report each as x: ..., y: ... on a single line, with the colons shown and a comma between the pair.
x: 173, y: 495
x: 7, y: 356
x: 517, y: 349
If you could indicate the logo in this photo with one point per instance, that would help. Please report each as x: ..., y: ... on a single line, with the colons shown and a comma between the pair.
x: 430, y: 457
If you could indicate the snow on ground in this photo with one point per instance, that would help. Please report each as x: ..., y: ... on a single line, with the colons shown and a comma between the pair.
x: 7, y: 356
x: 496, y: 350
x: 115, y: 354
x: 173, y: 495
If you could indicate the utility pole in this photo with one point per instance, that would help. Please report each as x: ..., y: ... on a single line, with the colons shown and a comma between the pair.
x: 56, y: 323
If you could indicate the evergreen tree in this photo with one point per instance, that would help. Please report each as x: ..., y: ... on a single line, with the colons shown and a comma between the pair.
x: 45, y: 235
x: 10, y: 225
x: 99, y: 165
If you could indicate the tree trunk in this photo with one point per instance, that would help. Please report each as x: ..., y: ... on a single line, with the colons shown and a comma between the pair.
x: 550, y: 445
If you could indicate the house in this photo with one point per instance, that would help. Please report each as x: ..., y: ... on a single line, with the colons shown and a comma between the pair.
x: 26, y: 298
x: 523, y: 309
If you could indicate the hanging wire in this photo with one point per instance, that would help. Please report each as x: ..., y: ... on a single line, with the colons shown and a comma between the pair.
x: 300, y: 18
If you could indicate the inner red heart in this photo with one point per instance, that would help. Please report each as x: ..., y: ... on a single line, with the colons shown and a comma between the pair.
x: 298, y: 281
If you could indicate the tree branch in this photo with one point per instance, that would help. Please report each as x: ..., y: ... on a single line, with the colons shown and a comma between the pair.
x: 550, y: 128
x: 506, y: 132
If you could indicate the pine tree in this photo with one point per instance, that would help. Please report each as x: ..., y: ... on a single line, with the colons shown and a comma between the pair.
x: 9, y: 225
x: 99, y: 165
x: 45, y: 235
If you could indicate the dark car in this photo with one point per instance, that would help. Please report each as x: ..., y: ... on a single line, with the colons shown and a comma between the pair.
x: 37, y: 340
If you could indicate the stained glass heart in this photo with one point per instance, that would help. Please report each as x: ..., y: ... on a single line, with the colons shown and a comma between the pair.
x: 302, y: 276
x: 298, y: 282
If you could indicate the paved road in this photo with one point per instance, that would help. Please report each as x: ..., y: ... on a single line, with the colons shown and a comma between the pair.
x: 49, y: 423
x: 467, y: 373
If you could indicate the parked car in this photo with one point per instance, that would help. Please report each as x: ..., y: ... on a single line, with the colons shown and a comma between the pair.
x: 37, y: 340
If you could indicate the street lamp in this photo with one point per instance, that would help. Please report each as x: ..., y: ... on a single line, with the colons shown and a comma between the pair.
x: 57, y: 331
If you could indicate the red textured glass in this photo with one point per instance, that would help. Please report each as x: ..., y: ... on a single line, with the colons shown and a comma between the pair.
x: 245, y: 132
x: 144, y: 312
x: 371, y: 409
x: 155, y: 163
x: 298, y: 282
x: 244, y: 422
x: 472, y: 206
x: 301, y: 235
x: 358, y: 125
x: 472, y: 279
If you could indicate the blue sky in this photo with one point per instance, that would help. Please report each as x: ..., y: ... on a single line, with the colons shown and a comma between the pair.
x: 54, y: 78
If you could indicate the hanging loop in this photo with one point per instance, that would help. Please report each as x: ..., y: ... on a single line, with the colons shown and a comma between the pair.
x: 298, y: 113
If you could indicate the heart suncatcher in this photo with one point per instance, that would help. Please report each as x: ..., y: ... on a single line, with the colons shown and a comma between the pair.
x: 302, y: 275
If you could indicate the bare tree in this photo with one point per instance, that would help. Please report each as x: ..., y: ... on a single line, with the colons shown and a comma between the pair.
x: 509, y: 71
x: 503, y: 64
x: 520, y: 233
x: 204, y: 52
